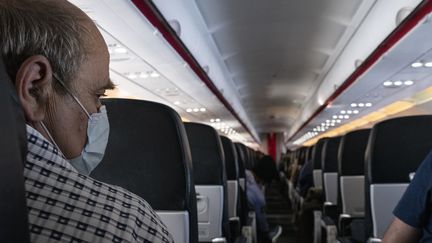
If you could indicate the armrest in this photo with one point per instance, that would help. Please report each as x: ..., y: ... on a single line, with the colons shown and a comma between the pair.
x: 344, y: 222
x: 235, y: 227
x: 329, y: 233
x: 219, y: 240
x: 373, y: 240
x: 330, y: 210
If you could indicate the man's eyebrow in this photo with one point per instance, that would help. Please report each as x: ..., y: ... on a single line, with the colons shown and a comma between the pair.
x: 109, y: 86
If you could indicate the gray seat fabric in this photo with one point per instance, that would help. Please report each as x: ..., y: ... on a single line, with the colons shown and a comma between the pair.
x: 329, y: 167
x: 351, y: 172
x: 13, y: 144
x: 210, y: 181
x: 399, y: 145
x: 147, y: 150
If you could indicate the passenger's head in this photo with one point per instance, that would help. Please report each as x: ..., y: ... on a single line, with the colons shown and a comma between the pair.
x: 265, y: 169
x: 53, y: 52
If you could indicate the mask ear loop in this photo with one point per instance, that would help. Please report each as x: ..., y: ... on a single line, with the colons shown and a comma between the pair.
x: 73, y: 96
x: 52, y: 139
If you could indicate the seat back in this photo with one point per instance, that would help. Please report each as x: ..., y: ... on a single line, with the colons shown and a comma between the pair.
x: 210, y: 181
x: 329, y: 167
x: 13, y: 144
x: 148, y: 148
x: 398, y: 145
x: 241, y: 164
x: 316, y: 160
x: 232, y: 172
x: 351, y: 172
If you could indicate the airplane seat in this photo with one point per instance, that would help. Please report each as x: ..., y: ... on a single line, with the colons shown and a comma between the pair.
x: 329, y: 165
x: 351, y: 179
x: 232, y: 172
x: 148, y: 154
x: 317, y: 157
x: 243, y: 207
x: 13, y: 143
x: 210, y: 181
x: 396, y: 148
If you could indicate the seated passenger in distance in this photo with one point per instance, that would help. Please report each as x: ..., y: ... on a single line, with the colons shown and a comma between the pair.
x: 305, y: 179
x: 413, y: 214
x: 59, y: 64
x: 263, y: 173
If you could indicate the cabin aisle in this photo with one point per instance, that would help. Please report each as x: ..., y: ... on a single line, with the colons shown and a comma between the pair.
x: 279, y: 212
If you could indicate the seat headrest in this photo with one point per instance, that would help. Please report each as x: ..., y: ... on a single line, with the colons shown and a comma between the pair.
x: 147, y: 148
x: 207, y: 154
x: 317, y: 153
x: 398, y: 145
x: 330, y: 155
x: 352, y: 153
x: 240, y: 159
x: 230, y: 158
x: 13, y: 150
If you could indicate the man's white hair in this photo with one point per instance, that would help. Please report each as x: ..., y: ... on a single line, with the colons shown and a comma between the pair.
x: 52, y: 28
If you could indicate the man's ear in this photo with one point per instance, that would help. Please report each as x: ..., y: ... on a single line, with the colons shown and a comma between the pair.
x: 33, y: 85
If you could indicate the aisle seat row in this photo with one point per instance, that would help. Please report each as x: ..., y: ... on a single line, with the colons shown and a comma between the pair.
x: 363, y: 175
x: 190, y: 175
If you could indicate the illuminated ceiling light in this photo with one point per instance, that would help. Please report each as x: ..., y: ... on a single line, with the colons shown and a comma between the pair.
x: 368, y: 104
x: 195, y: 109
x: 428, y: 64
x: 353, y: 105
x: 217, y: 120
x: 120, y: 50
x: 388, y: 83
x: 212, y: 120
x: 417, y: 65
x: 355, y: 111
x: 176, y: 102
x: 341, y: 117
x: 189, y: 110
x: 155, y: 75
x: 335, y: 117
x: 361, y: 105
x: 409, y: 82
x: 349, y: 112
x: 398, y: 83
x: 144, y: 75
x: 132, y: 76
x: 203, y: 109
x: 338, y: 121
x: 346, y: 117
x: 343, y: 112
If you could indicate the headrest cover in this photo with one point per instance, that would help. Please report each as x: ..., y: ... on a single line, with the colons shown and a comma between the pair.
x: 207, y: 154
x: 330, y: 155
x: 317, y: 153
x: 13, y: 150
x: 397, y: 147
x: 352, y: 153
x: 230, y: 159
x: 148, y: 149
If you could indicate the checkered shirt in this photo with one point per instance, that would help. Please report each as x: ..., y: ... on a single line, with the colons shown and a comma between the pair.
x: 65, y: 206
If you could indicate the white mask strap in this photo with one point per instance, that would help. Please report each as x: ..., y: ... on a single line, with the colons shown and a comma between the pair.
x: 51, y: 138
x: 73, y: 96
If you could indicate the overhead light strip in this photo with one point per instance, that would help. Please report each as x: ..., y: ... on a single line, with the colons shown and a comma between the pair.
x: 153, y: 15
x: 410, y: 22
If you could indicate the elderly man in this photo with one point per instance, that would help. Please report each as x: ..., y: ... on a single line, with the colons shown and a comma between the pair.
x: 59, y: 64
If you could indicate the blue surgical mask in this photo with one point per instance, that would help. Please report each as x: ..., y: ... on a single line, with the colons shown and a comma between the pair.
x: 97, y: 138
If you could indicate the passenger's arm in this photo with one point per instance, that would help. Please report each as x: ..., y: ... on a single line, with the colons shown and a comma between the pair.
x: 401, y: 232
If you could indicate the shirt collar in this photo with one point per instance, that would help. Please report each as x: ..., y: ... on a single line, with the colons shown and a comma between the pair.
x: 39, y: 146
